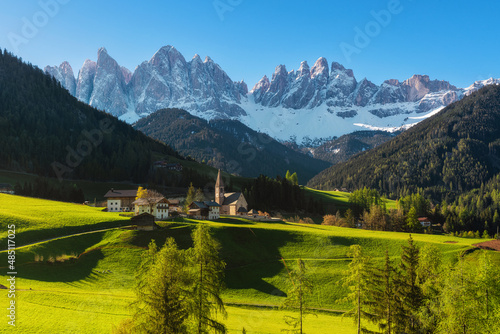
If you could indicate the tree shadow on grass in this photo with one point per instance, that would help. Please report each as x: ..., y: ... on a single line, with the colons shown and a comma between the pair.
x: 66, y: 272
x: 252, y: 255
x: 39, y: 235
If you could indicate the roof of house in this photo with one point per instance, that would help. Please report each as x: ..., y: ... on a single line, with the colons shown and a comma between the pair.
x: 200, y: 205
x: 204, y: 205
x: 423, y: 219
x: 242, y: 210
x: 231, y: 198
x: 143, y: 201
x: 253, y: 212
x: 144, y: 219
x: 121, y: 193
x: 5, y: 185
x: 174, y: 201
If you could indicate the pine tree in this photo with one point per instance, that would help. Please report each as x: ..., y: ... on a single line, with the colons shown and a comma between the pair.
x: 408, y: 293
x: 429, y: 278
x: 161, y: 305
x: 358, y: 280
x: 382, y: 292
x: 296, y: 299
x: 208, y: 283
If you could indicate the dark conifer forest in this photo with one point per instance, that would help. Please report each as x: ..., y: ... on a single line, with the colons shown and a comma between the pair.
x: 46, y: 131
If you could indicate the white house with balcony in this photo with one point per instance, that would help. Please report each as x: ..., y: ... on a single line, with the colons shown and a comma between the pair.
x: 157, y: 207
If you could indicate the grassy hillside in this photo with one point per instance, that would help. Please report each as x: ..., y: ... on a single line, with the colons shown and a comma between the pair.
x: 337, y: 200
x: 94, y: 292
x: 37, y: 219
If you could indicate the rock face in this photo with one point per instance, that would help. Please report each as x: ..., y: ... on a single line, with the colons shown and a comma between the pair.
x: 109, y: 87
x: 331, y: 92
x: 166, y: 80
x: 339, y: 88
x: 64, y: 74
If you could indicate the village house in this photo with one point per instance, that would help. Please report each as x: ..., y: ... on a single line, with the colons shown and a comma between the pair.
x: 144, y: 222
x: 6, y: 188
x: 174, y: 205
x: 120, y: 200
x: 170, y: 166
x: 230, y: 203
x: 424, y: 221
x: 207, y: 210
x: 157, y: 207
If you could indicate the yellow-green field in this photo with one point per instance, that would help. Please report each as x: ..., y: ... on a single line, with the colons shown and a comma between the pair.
x: 37, y: 219
x: 94, y: 292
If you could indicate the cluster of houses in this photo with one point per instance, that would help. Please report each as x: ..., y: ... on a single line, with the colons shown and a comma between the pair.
x: 146, y: 210
x: 6, y: 188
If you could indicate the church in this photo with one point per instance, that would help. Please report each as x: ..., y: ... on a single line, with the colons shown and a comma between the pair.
x: 231, y: 203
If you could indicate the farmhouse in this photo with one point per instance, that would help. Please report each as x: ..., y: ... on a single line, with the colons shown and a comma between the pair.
x: 6, y: 188
x: 157, y: 207
x: 207, y: 210
x: 230, y: 203
x: 170, y: 166
x: 144, y: 222
x: 424, y: 221
x: 120, y: 200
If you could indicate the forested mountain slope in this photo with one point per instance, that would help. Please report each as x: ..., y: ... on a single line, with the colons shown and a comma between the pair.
x: 228, y: 144
x: 450, y: 153
x: 46, y: 131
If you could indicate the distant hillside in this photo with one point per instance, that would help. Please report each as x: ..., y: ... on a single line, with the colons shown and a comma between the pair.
x: 46, y: 131
x: 228, y: 145
x: 343, y: 148
x: 447, y: 154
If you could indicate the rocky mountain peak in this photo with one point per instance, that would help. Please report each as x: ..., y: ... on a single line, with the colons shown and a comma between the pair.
x: 320, y: 68
x: 64, y: 74
x: 304, y: 69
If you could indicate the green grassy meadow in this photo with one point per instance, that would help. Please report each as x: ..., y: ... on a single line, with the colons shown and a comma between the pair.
x: 37, y: 219
x: 338, y: 200
x: 93, y: 292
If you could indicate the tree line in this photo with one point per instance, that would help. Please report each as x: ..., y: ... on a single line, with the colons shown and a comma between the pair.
x: 280, y: 194
x: 42, y: 188
x: 422, y: 295
x: 474, y: 214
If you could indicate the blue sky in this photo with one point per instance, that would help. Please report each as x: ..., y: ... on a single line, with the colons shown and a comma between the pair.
x: 456, y: 41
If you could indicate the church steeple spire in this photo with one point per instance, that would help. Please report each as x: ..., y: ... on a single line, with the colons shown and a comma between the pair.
x: 219, y: 190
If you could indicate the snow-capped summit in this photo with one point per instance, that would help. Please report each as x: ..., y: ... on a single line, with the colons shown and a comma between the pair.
x: 301, y: 105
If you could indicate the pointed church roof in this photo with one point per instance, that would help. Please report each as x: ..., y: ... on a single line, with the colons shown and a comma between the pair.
x: 219, y: 183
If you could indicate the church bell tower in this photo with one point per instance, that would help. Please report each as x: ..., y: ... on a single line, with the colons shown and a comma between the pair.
x: 219, y: 190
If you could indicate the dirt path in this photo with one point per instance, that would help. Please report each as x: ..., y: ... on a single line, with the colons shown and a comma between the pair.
x: 489, y: 245
x: 65, y: 236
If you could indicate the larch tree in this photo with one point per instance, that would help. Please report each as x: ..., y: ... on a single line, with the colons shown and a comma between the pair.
x: 208, y: 282
x: 296, y: 299
x: 162, y: 292
x: 358, y: 280
x: 408, y: 292
x: 429, y: 272
x: 382, y: 292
